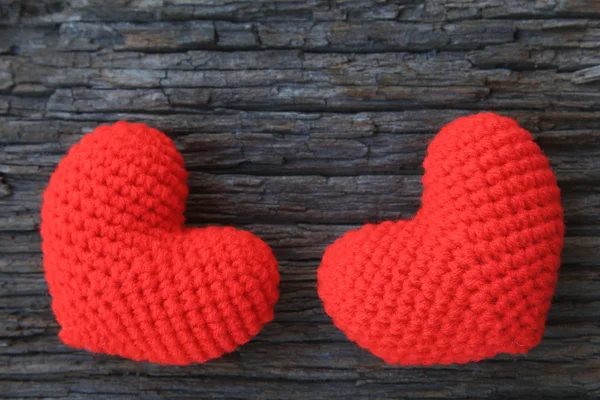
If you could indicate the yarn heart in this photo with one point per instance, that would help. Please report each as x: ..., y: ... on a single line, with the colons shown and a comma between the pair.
x: 473, y: 273
x: 126, y: 277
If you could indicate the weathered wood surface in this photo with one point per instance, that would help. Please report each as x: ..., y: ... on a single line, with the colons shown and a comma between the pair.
x: 298, y: 120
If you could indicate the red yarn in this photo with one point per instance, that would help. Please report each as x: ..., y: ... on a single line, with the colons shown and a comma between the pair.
x: 473, y: 273
x: 126, y: 277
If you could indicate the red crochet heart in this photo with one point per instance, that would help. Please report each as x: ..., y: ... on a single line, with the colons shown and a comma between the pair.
x: 126, y: 277
x: 473, y: 273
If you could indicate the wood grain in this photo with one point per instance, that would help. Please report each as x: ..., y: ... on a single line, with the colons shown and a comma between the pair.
x: 298, y: 120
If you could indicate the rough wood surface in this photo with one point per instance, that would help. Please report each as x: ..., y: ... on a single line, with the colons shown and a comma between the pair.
x: 298, y: 120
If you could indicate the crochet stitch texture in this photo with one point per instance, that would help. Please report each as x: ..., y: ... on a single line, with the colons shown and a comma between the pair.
x: 126, y: 277
x: 473, y: 273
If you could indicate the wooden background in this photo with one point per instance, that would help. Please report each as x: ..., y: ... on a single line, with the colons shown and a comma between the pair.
x: 298, y: 120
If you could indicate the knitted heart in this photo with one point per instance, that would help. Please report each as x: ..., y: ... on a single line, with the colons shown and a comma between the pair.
x: 126, y: 277
x: 473, y: 273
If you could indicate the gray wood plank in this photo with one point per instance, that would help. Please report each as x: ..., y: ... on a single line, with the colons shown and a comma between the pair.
x: 298, y: 120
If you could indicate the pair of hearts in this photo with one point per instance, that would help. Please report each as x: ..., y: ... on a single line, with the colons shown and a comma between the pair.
x: 470, y: 276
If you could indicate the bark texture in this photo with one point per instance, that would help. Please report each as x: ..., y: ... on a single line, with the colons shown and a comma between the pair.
x: 298, y: 120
